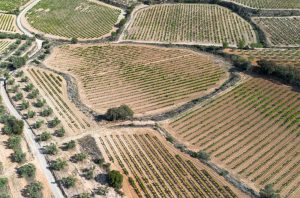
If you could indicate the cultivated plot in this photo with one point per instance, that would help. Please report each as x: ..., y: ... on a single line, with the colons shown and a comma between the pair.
x: 283, y: 57
x: 146, y: 78
x: 253, y: 131
x: 4, y: 44
x: 10, y: 5
x: 189, y: 23
x: 270, y: 4
x: 8, y: 23
x: 157, y: 169
x: 73, y: 18
x: 280, y: 31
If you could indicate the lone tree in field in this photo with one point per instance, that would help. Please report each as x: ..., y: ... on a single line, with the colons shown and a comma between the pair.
x: 119, y: 113
x: 115, y: 179
x: 268, y: 192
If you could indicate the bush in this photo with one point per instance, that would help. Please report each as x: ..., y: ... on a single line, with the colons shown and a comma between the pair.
x: 119, y: 113
x: 29, y: 87
x: 115, y: 179
x: 27, y: 170
x: 51, y: 149
x: 18, y: 156
x: 268, y: 192
x: 241, y: 44
x: 70, y: 145
x: 74, y: 40
x: 17, y: 61
x: 241, y: 63
x: 30, y: 114
x: 33, y: 95
x: 68, y: 182
x: 18, y: 97
x: 39, y: 103
x: 225, y: 44
x: 78, y: 157
x: 14, y: 142
x: 60, y: 132
x: 38, y: 124
x: 34, y: 190
x: 101, y: 191
x: 53, y: 123
x: 203, y: 155
x: 89, y: 173
x: 44, y: 136
x: 3, y: 182
x: 58, y: 164
x: 46, y: 112
x: 24, y: 105
x: 12, y: 126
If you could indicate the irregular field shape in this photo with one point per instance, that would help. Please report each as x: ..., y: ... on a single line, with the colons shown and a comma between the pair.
x: 190, y: 23
x: 270, y: 4
x: 7, y: 23
x: 252, y: 130
x: 73, y: 18
x: 281, y: 31
x: 145, y: 78
x: 284, y: 57
x: 162, y: 172
x: 9, y: 5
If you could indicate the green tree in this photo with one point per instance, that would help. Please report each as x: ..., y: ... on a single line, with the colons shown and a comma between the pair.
x: 101, y: 190
x: 119, y: 113
x: 27, y: 170
x: 3, y: 182
x: 68, y: 182
x: 39, y: 103
x: 268, y: 192
x: 46, y: 112
x: 203, y: 155
x: 74, y: 40
x: 29, y: 87
x: 115, y: 179
x: 53, y: 123
x: 24, y: 105
x: 241, y: 44
x: 18, y: 96
x: 78, y: 157
x: 44, y: 136
x: 18, y: 156
x: 14, y: 142
x: 70, y: 145
x: 58, y: 164
x: 34, y: 190
x: 225, y: 44
x: 51, y: 149
x: 60, y: 132
x: 38, y: 124
x: 30, y: 114
x: 12, y: 126
x: 34, y: 94
x: 17, y: 61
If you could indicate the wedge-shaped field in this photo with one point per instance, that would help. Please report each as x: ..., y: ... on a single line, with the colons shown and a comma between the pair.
x: 284, y: 57
x: 189, y: 23
x: 8, y: 23
x: 280, y: 31
x: 253, y: 131
x: 53, y: 88
x: 145, y: 78
x: 270, y: 4
x: 159, y: 171
x: 10, y: 5
x: 73, y: 18
x: 4, y: 44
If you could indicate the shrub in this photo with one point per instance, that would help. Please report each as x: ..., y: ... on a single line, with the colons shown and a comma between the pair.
x: 74, y: 40
x: 17, y: 61
x: 101, y: 190
x: 119, y: 113
x: 58, y: 164
x: 78, y: 157
x: 18, y: 97
x: 30, y: 114
x: 38, y: 124
x: 27, y: 170
x: 3, y: 182
x: 203, y: 155
x: 225, y: 44
x: 40, y: 103
x: 51, y: 149
x: 34, y: 94
x: 89, y: 173
x: 18, y: 156
x: 241, y: 63
x: 268, y: 192
x: 44, y: 136
x: 12, y: 126
x: 115, y: 179
x: 34, y: 190
x: 60, y: 132
x: 24, y: 105
x: 46, y: 112
x: 68, y: 182
x: 14, y: 142
x: 70, y: 145
x: 241, y: 44
x: 29, y: 87
x: 53, y: 123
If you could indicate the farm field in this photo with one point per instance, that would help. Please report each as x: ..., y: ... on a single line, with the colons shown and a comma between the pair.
x: 270, y: 4
x: 281, y: 31
x: 285, y: 57
x: 148, y: 79
x: 4, y: 44
x: 189, y: 23
x: 158, y: 169
x: 80, y: 19
x: 53, y: 86
x: 253, y: 131
x: 8, y: 23
x: 9, y: 5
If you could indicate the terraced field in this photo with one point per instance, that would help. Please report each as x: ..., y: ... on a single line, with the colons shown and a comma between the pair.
x: 7, y: 23
x: 270, y: 4
x: 146, y: 78
x: 54, y: 87
x: 9, y: 5
x: 73, y: 18
x: 252, y: 130
x: 281, y: 31
x: 4, y: 44
x: 189, y: 23
x: 285, y: 57
x: 159, y: 171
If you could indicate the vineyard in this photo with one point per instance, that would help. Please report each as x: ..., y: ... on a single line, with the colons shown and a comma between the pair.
x: 157, y: 170
x: 252, y: 130
x: 189, y: 23
x: 54, y: 87
x: 285, y: 57
x: 73, y: 18
x: 270, y: 4
x: 8, y: 23
x: 4, y: 44
x: 9, y: 5
x: 281, y: 31
x: 145, y: 78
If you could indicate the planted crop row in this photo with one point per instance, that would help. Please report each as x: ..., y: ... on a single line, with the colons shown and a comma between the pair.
x: 4, y: 45
x: 7, y: 23
x: 253, y: 130
x: 192, y: 23
x: 270, y: 4
x: 145, y: 78
x: 157, y: 171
